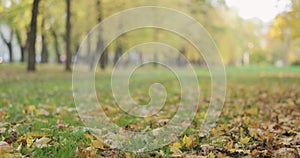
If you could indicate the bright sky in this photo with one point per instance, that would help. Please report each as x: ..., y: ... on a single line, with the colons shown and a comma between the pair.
x: 266, y: 10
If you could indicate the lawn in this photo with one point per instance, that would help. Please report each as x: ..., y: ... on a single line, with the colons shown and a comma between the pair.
x: 260, y: 118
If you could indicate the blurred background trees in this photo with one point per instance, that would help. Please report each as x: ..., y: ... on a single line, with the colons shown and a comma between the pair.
x: 60, y: 27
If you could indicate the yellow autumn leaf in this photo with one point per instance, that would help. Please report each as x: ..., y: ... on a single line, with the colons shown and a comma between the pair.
x: 201, y: 115
x: 244, y: 140
x: 213, y: 132
x: 252, y: 111
x: 247, y: 120
x: 177, y: 145
x: 31, y: 108
x: 229, y: 145
x: 97, y: 144
x: 211, y: 155
x: 187, y: 141
x: 175, y: 148
x: 220, y: 155
x: 37, y: 134
x: 128, y: 155
x: 29, y: 140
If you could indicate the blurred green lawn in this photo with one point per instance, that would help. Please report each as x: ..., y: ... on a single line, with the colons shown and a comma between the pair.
x: 42, y: 102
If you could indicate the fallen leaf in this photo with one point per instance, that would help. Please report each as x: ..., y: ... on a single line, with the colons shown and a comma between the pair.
x: 5, y: 147
x: 175, y: 148
x: 187, y: 141
x: 42, y: 112
x: 29, y: 141
x: 2, y: 130
x: 244, y: 140
x: 177, y: 145
x: 286, y: 152
x: 19, y: 148
x: 3, y: 124
x: 97, y: 144
x: 13, y: 138
x: 252, y: 111
x: 42, y: 142
x: 254, y: 153
x: 229, y: 145
x: 128, y: 155
x: 37, y: 134
x: 211, y: 155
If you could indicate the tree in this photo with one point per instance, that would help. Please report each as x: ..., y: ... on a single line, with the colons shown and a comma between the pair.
x: 118, y: 52
x: 285, y: 28
x: 31, y: 38
x: 21, y: 44
x: 104, y: 56
x: 8, y: 43
x: 68, y: 36
x: 56, y: 46
x: 45, y: 53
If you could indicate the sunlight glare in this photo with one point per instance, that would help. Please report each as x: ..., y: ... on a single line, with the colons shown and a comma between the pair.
x: 265, y: 10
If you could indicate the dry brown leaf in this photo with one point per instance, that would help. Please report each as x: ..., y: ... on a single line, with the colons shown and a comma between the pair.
x: 2, y: 130
x: 97, y: 144
x: 42, y: 142
x: 5, y: 147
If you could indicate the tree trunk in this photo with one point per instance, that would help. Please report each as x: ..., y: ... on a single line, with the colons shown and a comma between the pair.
x: 56, y: 47
x: 104, y: 57
x: 32, y: 36
x: 68, y: 36
x: 89, y: 49
x: 22, y: 49
x: 180, y: 59
x: 118, y: 53
x: 21, y: 45
x: 9, y: 45
x: 45, y: 53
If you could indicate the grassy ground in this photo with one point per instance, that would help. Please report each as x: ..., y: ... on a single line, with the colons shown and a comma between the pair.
x: 260, y: 118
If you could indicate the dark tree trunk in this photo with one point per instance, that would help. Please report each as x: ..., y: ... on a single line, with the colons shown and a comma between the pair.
x: 118, y: 52
x: 89, y: 49
x: 56, y: 47
x: 68, y: 36
x: 9, y: 45
x: 44, y: 50
x: 22, y: 49
x: 180, y: 60
x: 45, y: 53
x: 104, y: 57
x: 32, y: 36
x: 21, y: 45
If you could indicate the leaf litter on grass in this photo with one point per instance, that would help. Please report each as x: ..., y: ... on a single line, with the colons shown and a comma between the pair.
x: 259, y: 119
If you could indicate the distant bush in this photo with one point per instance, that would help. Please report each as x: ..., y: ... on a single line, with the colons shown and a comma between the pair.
x: 296, y: 63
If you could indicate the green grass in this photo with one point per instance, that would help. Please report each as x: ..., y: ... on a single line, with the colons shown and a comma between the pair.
x: 23, y: 95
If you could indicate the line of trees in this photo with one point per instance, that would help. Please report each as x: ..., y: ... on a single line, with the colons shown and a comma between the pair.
x: 54, y: 29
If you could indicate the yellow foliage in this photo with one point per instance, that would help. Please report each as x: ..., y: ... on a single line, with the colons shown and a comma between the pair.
x: 211, y: 155
x: 187, y: 141
x: 244, y: 140
x: 175, y: 148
